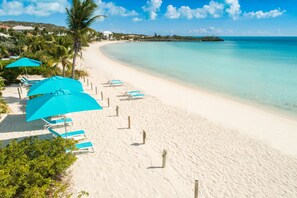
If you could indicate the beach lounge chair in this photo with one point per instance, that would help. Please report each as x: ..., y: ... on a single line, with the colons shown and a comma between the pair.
x: 115, y: 83
x: 27, y: 82
x: 135, y: 96
x: 58, y: 122
x: 132, y: 92
x: 83, y: 146
x: 71, y: 134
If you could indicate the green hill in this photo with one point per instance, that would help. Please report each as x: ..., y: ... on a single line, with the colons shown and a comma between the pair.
x: 50, y: 27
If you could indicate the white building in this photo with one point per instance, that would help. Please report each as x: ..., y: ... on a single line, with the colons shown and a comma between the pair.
x: 107, y: 35
x: 20, y: 28
x: 4, y: 35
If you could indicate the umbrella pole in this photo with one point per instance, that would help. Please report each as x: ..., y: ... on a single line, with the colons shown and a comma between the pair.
x: 65, y: 125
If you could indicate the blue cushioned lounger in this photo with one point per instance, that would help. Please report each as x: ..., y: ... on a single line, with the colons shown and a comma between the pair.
x: 70, y: 134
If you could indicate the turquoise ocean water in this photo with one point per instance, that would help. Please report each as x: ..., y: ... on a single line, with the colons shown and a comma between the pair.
x: 261, y: 70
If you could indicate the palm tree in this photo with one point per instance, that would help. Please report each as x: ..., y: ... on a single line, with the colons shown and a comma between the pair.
x: 63, y: 51
x: 3, y: 52
x: 79, y: 19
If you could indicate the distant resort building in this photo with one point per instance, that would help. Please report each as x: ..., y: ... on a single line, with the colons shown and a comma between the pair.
x: 4, y: 27
x: 108, y: 35
x: 20, y: 28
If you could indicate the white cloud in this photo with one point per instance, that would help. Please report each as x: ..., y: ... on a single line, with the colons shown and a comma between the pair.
x: 210, y: 31
x: 136, y: 19
x: 32, y: 7
x: 213, y: 9
x: 152, y: 7
x: 172, y: 12
x: 233, y: 8
x: 260, y: 14
x: 111, y: 9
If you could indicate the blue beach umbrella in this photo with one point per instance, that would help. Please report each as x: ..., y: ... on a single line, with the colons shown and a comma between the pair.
x: 24, y: 62
x: 55, y: 83
x: 58, y: 103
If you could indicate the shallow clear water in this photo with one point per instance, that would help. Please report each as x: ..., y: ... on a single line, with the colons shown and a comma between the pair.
x: 257, y: 69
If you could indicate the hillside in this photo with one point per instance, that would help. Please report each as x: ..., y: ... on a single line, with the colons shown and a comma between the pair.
x: 33, y: 24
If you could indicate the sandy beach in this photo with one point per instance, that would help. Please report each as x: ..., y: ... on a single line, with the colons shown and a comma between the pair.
x: 233, y: 149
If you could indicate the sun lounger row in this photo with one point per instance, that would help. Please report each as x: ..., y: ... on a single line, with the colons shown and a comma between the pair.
x: 77, y: 135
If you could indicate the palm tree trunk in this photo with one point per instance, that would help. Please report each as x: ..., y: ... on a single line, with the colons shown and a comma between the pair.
x: 74, y: 60
x: 63, y: 70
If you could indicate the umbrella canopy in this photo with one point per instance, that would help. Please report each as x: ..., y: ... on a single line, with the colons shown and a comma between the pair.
x: 55, y: 83
x: 24, y: 62
x: 59, y: 102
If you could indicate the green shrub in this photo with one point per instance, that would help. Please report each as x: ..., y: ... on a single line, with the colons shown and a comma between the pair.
x: 34, y: 167
x: 80, y: 73
x: 3, y: 106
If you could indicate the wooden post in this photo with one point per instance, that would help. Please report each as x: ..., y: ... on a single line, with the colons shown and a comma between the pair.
x: 143, y: 136
x: 101, y: 95
x: 87, y: 82
x: 117, y: 111
x: 21, y: 87
x: 84, y: 79
x: 96, y: 90
x: 164, y: 156
x: 108, y: 102
x: 129, y: 122
x: 91, y: 86
x: 19, y: 93
x: 196, y: 189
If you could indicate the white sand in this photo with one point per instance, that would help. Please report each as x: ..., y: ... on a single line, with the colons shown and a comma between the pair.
x: 209, y: 138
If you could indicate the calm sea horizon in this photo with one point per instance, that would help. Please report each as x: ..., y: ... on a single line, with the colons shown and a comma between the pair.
x: 259, y: 70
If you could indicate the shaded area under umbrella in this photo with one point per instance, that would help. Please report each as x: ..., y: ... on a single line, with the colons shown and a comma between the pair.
x: 59, y: 102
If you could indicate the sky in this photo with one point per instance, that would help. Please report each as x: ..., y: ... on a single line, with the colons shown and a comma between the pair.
x: 169, y: 17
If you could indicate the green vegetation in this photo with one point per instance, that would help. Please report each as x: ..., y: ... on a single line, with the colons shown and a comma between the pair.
x: 47, y: 26
x: 35, y: 168
x: 159, y: 38
x: 79, y: 19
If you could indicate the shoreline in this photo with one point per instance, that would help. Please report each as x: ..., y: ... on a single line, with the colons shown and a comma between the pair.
x: 271, y: 128
x: 264, y: 107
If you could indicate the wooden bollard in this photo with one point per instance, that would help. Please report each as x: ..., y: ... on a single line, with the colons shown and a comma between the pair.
x: 143, y: 136
x: 117, y: 111
x: 196, y: 189
x: 164, y: 156
x: 101, y: 95
x: 96, y: 90
x: 129, y: 122
x: 20, y: 96
x: 91, y: 86
x: 108, y: 102
x: 87, y: 82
